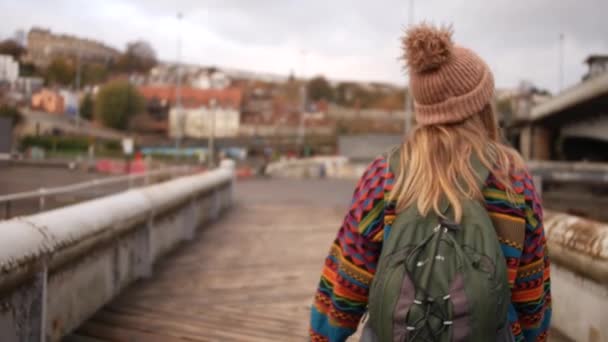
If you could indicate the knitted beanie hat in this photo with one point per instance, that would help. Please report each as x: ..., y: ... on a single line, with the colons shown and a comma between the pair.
x: 449, y: 83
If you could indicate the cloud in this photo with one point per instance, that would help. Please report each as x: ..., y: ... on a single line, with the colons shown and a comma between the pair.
x: 345, y: 39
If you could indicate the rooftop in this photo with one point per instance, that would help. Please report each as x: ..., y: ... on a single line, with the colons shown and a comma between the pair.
x: 194, y: 97
x: 595, y: 58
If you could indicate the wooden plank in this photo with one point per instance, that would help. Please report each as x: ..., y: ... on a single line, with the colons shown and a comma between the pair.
x: 80, y: 338
x: 249, y: 277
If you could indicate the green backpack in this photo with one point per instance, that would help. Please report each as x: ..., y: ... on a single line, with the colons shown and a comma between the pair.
x: 440, y: 281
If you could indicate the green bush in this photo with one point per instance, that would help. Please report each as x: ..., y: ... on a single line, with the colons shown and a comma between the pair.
x: 116, y: 103
x: 57, y: 143
x: 11, y: 113
x: 113, y: 145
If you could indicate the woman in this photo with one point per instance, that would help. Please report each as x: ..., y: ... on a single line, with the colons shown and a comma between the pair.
x: 453, y: 90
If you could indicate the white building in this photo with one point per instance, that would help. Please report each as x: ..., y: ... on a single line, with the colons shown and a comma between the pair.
x: 197, y: 123
x: 28, y: 85
x: 9, y: 69
x: 211, y: 80
x: 70, y: 102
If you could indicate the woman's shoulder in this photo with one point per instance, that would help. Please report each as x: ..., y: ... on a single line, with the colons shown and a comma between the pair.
x: 516, y: 189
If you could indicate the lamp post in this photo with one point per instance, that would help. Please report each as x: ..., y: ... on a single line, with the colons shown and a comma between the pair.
x: 561, y: 62
x: 409, y: 103
x: 211, y: 147
x: 304, y: 96
x: 179, y: 127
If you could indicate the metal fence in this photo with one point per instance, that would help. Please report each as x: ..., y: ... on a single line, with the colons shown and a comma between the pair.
x: 42, y: 195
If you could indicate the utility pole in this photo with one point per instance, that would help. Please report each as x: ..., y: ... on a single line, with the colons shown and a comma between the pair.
x: 211, y: 147
x: 77, y: 83
x: 561, y: 62
x: 179, y: 126
x: 409, y: 99
x: 304, y: 96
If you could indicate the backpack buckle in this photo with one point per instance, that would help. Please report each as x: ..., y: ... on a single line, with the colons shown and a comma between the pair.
x: 450, y: 225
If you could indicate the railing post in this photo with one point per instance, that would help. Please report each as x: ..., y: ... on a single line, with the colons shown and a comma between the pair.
x: 144, y: 252
x: 130, y: 181
x: 538, y: 184
x: 216, y: 205
x: 44, y: 279
x: 41, y: 199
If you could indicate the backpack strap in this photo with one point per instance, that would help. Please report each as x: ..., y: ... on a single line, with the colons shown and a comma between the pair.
x: 506, y: 230
x: 393, y: 157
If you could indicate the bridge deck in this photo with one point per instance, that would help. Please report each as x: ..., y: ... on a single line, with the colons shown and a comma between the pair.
x: 249, y: 277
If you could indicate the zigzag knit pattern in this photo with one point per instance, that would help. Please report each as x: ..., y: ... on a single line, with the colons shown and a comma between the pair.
x: 341, y: 297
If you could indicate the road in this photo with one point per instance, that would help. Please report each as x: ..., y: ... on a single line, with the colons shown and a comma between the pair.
x: 251, y: 276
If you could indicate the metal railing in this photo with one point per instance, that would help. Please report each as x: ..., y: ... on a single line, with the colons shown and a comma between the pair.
x: 42, y: 194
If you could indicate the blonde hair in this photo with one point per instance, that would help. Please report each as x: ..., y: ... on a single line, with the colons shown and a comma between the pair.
x: 436, y: 164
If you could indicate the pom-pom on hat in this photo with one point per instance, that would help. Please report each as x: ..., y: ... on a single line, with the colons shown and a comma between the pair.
x: 449, y: 83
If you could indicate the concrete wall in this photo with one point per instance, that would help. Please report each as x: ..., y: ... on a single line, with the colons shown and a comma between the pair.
x: 316, y: 167
x: 578, y: 249
x: 249, y: 130
x: 59, y: 267
x: 6, y: 135
x: 594, y: 128
x: 366, y: 147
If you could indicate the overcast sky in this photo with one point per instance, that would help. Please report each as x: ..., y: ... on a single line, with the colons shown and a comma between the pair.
x: 343, y: 39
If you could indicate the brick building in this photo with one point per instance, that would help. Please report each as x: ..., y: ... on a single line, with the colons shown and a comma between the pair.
x: 43, y: 46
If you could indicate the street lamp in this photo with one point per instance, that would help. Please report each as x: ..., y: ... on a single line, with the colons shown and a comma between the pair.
x: 561, y: 63
x: 179, y: 127
x: 409, y: 103
x: 211, y: 147
x: 304, y: 96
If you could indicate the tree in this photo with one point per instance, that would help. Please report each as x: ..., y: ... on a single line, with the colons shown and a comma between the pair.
x: 87, y: 107
x: 93, y: 73
x: 60, y: 71
x: 11, y: 47
x: 28, y: 70
x: 116, y: 103
x: 319, y: 89
x: 11, y: 113
x: 139, y: 56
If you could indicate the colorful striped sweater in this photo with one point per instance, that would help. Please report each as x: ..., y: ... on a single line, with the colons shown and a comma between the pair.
x: 341, y: 297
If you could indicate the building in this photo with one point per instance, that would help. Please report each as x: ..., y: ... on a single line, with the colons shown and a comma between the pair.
x: 198, y: 108
x: 191, y: 76
x: 43, y: 46
x: 37, y: 123
x: 28, y: 85
x: 598, y: 64
x: 48, y: 101
x: 9, y: 69
x: 571, y: 125
x: 71, y: 101
x: 203, y: 122
x: 210, y: 79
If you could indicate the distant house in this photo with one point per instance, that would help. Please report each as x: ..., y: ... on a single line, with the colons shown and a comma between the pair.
x: 28, y: 85
x: 210, y: 79
x: 49, y: 101
x: 70, y: 102
x: 199, y: 107
x: 191, y: 76
x: 598, y: 64
x: 9, y: 69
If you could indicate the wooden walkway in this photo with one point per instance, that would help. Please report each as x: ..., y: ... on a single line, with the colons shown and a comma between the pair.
x: 249, y: 277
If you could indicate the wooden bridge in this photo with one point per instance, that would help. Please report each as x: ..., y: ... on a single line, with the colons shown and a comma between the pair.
x: 249, y: 277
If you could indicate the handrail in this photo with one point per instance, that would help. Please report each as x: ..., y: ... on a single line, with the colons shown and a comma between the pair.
x: 59, y: 190
x: 42, y: 193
